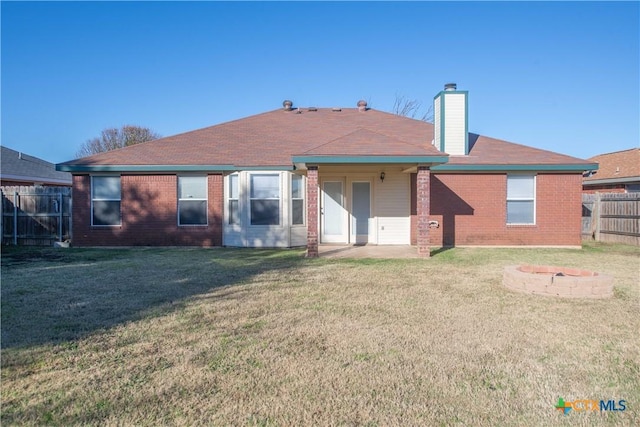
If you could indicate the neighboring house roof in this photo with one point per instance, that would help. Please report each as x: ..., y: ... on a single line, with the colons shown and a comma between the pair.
x: 280, y: 138
x: 617, y: 167
x: 20, y: 167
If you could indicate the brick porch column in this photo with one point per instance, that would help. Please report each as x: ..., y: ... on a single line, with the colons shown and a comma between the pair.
x: 423, y: 197
x: 312, y: 212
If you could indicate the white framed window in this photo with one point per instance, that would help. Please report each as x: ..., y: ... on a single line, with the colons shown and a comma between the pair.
x: 105, y: 201
x: 192, y: 200
x: 264, y: 198
x: 297, y: 200
x: 234, y: 196
x: 521, y: 199
x: 632, y: 188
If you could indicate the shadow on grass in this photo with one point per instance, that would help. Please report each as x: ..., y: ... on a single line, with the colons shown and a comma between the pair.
x: 51, y: 296
x: 438, y: 251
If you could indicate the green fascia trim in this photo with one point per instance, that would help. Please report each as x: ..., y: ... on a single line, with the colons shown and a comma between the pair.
x: 264, y: 168
x: 163, y: 168
x: 466, y: 122
x: 369, y: 159
x: 534, y: 167
x: 442, y: 122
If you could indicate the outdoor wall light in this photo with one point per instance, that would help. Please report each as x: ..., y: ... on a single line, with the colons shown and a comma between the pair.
x: 382, y: 176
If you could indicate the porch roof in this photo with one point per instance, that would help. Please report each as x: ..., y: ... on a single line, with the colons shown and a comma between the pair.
x: 364, y: 146
x: 427, y: 160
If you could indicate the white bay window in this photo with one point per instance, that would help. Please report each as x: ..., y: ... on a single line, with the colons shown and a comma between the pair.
x: 265, y: 199
x: 297, y: 200
x: 234, y: 199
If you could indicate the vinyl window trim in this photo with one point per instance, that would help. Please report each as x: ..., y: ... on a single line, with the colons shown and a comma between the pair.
x: 252, y: 199
x: 97, y: 199
x: 302, y: 198
x: 532, y: 198
x: 198, y: 199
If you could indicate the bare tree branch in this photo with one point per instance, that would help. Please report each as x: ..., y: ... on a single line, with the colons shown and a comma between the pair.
x: 412, y: 108
x: 114, y: 138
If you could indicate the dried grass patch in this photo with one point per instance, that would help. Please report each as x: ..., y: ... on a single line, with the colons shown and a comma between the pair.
x: 244, y: 337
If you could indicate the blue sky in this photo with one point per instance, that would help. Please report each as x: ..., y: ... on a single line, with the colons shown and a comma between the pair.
x: 557, y: 76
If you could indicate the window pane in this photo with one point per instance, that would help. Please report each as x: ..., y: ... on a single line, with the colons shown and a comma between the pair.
x: 332, y: 208
x: 361, y: 207
x: 265, y: 212
x: 106, y: 213
x: 192, y: 187
x: 193, y: 212
x: 106, y: 187
x: 520, y: 212
x: 296, y: 187
x: 297, y: 212
x: 233, y: 186
x: 265, y: 186
x: 234, y: 215
x: 520, y: 187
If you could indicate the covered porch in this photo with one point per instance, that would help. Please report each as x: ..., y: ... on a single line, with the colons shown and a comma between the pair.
x: 368, y: 210
x: 359, y: 191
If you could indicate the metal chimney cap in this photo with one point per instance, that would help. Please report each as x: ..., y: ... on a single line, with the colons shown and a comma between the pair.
x: 450, y: 86
x: 287, y: 104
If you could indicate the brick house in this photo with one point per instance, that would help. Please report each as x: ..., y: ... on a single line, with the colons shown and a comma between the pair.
x: 618, y: 172
x: 306, y: 176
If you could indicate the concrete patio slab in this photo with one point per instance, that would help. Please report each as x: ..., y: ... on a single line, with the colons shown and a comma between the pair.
x: 368, y: 251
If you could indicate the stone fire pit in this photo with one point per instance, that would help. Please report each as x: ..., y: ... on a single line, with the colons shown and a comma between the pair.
x: 557, y: 281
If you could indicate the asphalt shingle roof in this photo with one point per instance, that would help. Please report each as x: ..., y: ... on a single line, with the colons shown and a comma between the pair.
x: 485, y: 150
x: 620, y: 164
x: 18, y: 166
x: 272, y: 138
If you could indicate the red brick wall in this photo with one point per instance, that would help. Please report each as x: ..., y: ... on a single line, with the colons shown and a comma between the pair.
x: 612, y: 188
x: 471, y: 210
x: 423, y: 199
x: 312, y: 209
x: 149, y: 210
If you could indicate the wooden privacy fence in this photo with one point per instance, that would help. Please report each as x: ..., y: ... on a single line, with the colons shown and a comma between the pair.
x: 611, y: 217
x: 35, y: 215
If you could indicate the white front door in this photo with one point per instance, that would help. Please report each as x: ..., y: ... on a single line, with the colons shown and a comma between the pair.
x: 333, y: 215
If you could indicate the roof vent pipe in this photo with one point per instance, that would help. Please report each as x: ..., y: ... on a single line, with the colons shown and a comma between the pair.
x: 288, y: 105
x: 362, y: 105
x: 450, y: 86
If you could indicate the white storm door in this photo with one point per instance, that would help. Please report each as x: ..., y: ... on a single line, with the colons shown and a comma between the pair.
x: 360, y: 211
x: 333, y: 215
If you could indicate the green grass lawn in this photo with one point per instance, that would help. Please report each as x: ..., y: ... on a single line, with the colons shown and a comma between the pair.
x: 268, y: 337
